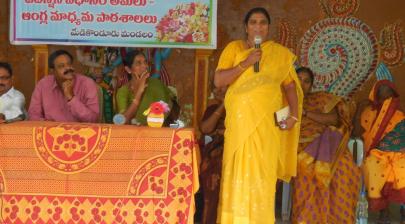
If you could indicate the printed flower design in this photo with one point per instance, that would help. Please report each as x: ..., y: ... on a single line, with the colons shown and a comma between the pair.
x: 155, y: 113
x: 159, y: 107
x: 187, y: 22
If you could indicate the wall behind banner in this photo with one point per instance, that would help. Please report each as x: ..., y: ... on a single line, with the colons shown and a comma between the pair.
x: 180, y: 63
x: 301, y: 14
x: 304, y: 14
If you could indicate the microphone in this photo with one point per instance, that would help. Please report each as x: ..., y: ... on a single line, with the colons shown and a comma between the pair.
x: 258, y: 41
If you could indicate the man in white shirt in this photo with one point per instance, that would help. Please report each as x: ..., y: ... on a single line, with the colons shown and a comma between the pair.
x: 12, y: 101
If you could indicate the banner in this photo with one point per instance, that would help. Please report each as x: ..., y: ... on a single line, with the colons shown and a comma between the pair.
x: 130, y: 23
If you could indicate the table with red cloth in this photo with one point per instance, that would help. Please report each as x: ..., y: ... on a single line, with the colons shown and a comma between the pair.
x: 54, y: 172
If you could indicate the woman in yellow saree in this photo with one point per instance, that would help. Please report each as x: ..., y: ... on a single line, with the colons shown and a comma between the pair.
x: 326, y: 188
x: 256, y: 150
x: 384, y: 142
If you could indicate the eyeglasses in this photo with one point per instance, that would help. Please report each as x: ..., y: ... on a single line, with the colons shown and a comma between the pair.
x: 4, y: 78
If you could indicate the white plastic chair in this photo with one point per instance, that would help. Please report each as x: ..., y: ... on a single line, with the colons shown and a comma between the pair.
x: 356, y: 147
x: 286, y: 201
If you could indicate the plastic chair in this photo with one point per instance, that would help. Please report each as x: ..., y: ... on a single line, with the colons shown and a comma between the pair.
x: 356, y: 148
x: 286, y: 201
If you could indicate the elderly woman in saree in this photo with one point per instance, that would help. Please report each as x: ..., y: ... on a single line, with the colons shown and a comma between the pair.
x: 383, y: 130
x: 327, y: 184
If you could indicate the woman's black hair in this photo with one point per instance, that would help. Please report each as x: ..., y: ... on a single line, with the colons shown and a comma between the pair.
x: 257, y: 10
x: 308, y: 71
x: 130, y: 56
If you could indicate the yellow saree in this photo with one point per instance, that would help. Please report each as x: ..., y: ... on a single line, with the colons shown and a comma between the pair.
x: 384, y: 170
x: 256, y: 151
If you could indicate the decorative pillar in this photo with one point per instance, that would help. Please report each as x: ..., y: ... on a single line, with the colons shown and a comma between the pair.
x: 40, y: 61
x: 200, y: 85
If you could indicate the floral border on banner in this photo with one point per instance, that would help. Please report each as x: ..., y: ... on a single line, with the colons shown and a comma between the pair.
x: 141, y: 23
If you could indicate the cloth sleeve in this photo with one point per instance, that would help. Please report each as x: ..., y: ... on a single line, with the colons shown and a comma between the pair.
x: 16, y: 107
x: 87, y: 109
x: 122, y: 99
x: 35, y: 111
x: 227, y: 57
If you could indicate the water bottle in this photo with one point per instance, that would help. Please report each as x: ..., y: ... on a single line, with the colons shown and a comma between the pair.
x: 119, y: 119
x: 362, y: 209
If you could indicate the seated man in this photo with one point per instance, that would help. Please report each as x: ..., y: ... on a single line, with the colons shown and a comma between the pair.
x: 11, y: 101
x: 64, y: 96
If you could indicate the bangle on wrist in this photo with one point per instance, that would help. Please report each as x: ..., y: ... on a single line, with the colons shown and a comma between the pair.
x: 217, y: 113
x: 240, y: 66
x: 293, y: 117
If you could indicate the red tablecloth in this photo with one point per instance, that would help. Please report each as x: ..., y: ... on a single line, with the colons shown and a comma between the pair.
x: 96, y: 173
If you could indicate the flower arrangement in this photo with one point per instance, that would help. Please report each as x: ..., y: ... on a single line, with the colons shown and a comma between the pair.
x: 159, y: 107
x: 187, y: 22
x: 155, y: 113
